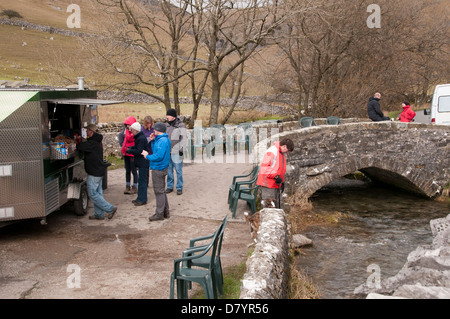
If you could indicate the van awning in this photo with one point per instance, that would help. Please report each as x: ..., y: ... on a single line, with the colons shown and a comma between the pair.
x: 10, y: 101
x: 82, y: 101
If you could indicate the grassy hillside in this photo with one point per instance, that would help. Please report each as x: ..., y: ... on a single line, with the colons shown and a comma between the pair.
x: 53, y: 12
x: 29, y: 53
x: 34, y: 54
x: 40, y: 56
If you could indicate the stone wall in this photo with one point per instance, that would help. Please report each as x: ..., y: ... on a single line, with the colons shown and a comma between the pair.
x: 43, y: 28
x: 268, y: 267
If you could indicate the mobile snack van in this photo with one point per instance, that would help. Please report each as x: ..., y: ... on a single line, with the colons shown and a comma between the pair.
x: 40, y: 168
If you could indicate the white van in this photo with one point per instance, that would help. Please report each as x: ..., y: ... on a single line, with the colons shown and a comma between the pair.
x: 440, y: 105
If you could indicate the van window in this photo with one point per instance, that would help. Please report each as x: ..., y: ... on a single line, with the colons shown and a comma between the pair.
x: 444, y: 104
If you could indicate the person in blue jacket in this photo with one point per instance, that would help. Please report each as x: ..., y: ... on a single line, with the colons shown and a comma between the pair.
x: 159, y: 162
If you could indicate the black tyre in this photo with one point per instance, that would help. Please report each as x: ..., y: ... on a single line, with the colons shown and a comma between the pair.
x: 81, y: 205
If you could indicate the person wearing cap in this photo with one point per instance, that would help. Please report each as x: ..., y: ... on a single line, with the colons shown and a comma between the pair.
x: 176, y: 130
x: 140, y: 144
x: 159, y: 163
x: 95, y: 169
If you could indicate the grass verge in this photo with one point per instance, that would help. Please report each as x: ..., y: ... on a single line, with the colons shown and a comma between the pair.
x: 119, y: 112
x: 232, y: 277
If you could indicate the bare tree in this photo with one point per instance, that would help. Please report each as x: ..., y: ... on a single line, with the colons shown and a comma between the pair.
x: 144, y: 47
x: 314, y: 43
x: 232, y: 36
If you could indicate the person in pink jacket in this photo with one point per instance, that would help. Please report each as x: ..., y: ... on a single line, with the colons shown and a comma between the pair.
x: 130, y: 168
x: 407, y: 114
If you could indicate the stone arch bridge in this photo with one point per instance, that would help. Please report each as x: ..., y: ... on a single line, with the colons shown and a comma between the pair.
x: 414, y: 157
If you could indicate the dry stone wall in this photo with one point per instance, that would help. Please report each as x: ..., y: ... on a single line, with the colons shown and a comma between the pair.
x: 268, y: 267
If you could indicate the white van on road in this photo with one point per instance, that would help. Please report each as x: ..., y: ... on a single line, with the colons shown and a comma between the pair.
x: 440, y: 105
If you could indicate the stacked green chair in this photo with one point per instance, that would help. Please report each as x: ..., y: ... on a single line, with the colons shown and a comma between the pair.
x: 197, y: 140
x: 307, y: 122
x: 216, y: 133
x: 205, y: 256
x: 202, y: 262
x: 252, y: 176
x: 333, y: 120
x: 247, y: 194
x: 242, y: 135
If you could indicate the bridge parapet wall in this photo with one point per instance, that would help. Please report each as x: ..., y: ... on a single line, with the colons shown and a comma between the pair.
x: 415, y: 157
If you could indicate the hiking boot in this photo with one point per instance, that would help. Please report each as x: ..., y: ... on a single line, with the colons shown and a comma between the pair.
x: 127, y: 190
x: 169, y: 190
x: 179, y: 191
x: 95, y: 217
x: 111, y: 214
x: 133, y: 190
x: 138, y: 203
x: 155, y: 218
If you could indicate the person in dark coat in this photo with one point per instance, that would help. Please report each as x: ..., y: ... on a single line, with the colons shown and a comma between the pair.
x: 95, y: 169
x: 140, y: 144
x: 374, y: 109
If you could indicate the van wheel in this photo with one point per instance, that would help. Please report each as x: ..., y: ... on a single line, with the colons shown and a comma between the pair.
x: 81, y: 205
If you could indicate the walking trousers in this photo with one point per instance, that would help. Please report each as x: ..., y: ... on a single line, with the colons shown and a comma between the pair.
x: 159, y: 187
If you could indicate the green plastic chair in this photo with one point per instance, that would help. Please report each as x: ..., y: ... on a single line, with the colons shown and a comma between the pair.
x: 252, y: 176
x: 242, y: 135
x: 333, y: 120
x: 198, y: 140
x: 203, y: 262
x: 216, y: 137
x: 183, y: 273
x: 247, y: 194
x: 307, y: 122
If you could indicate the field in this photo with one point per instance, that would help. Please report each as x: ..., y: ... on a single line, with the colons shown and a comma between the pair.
x: 20, y: 59
x: 51, y: 59
x: 34, y: 54
x: 119, y: 112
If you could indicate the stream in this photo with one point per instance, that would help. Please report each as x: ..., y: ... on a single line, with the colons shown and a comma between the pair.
x: 380, y: 226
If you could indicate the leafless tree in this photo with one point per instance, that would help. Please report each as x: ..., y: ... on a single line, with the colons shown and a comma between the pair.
x: 232, y: 36
x: 144, y: 47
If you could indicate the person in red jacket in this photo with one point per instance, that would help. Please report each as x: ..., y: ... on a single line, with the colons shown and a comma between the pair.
x: 407, y: 114
x: 128, y: 158
x: 272, y: 170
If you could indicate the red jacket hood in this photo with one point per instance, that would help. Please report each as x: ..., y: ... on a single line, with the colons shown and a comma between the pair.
x: 130, y: 120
